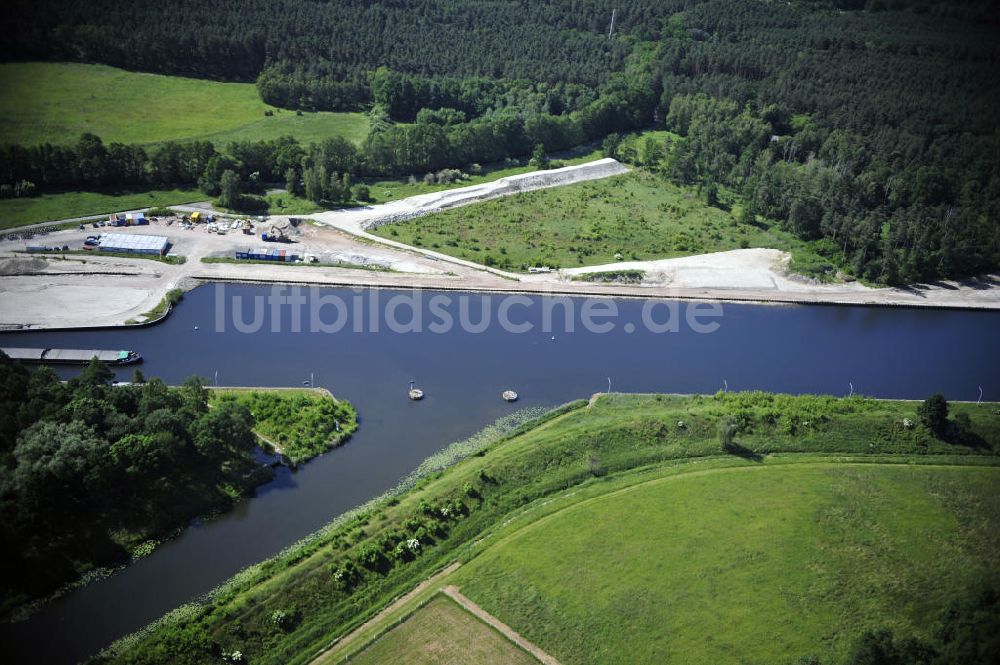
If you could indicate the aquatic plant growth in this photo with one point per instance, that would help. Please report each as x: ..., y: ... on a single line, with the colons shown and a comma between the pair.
x: 299, y: 424
x: 345, y: 573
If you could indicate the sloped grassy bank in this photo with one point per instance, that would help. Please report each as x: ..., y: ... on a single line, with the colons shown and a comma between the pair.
x: 286, y: 609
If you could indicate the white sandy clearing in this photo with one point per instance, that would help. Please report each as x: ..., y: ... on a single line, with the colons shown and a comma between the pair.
x: 757, y: 269
x: 27, y: 300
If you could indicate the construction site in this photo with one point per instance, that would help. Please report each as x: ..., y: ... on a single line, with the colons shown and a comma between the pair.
x: 73, y: 284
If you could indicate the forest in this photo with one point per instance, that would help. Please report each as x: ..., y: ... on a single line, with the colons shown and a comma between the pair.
x: 867, y: 126
x: 93, y: 473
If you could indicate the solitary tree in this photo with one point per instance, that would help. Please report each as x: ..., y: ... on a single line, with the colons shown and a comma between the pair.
x: 538, y: 157
x: 292, y: 184
x: 933, y: 414
x: 230, y: 188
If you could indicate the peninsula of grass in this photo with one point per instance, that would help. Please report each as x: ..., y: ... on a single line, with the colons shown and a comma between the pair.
x: 299, y: 424
x: 169, y: 300
x: 631, y: 217
x: 46, y: 102
x: 823, y: 473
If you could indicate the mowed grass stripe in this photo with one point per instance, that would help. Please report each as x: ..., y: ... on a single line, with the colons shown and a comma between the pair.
x: 768, y: 565
x: 54, y: 103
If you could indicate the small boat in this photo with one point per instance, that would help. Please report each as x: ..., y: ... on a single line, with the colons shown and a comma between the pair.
x: 509, y: 396
x: 415, y: 393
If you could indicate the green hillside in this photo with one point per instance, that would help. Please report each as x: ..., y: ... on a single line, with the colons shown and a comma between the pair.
x: 56, y: 102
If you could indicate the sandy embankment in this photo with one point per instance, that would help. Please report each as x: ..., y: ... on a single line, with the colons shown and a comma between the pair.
x: 82, y: 291
x: 358, y: 220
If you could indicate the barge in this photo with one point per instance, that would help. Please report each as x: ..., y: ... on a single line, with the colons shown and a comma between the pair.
x: 72, y: 356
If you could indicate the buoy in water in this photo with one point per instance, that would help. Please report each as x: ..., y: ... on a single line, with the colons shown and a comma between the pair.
x: 415, y: 393
x: 196, y: 327
x: 509, y: 396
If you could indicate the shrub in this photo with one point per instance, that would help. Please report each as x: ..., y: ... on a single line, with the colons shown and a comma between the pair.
x: 25, y: 189
x: 284, y: 620
x: 373, y: 558
x: 933, y: 413
x: 727, y: 432
x: 362, y: 193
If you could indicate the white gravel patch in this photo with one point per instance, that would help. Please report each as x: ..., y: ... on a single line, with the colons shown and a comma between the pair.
x: 356, y: 220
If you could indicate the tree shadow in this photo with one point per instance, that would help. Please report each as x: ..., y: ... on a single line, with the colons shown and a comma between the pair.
x: 739, y: 450
x: 958, y: 436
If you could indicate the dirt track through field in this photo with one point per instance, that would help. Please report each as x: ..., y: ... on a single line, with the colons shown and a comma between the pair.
x: 508, y: 632
x: 397, y: 604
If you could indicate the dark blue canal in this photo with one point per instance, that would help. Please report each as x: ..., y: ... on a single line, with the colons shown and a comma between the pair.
x: 897, y: 353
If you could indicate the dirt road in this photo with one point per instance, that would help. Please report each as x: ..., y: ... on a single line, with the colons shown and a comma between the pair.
x: 505, y: 630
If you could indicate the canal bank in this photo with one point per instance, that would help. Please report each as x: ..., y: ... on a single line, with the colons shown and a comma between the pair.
x: 892, y: 353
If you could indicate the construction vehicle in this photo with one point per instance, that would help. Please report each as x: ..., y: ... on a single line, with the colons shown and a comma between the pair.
x: 276, y: 233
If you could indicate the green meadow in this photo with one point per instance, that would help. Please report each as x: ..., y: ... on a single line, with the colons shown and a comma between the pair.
x: 636, y: 216
x: 64, y: 205
x: 56, y: 102
x: 756, y: 564
x: 622, y: 531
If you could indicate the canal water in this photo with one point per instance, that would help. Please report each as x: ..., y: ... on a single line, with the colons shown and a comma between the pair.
x: 894, y: 353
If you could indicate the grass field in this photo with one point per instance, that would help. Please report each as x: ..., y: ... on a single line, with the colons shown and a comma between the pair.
x: 348, y: 572
x: 47, y: 207
x: 56, y: 102
x: 443, y: 632
x: 636, y: 216
x: 763, y: 565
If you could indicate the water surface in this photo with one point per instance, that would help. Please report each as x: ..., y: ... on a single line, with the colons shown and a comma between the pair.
x: 898, y: 353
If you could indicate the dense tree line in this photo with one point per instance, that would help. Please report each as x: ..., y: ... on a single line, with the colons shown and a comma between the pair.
x: 390, y: 149
x: 321, y: 47
x: 83, y: 460
x: 867, y: 125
